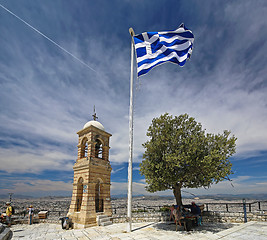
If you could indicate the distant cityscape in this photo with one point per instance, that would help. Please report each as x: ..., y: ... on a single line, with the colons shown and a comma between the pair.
x: 58, y: 206
x: 262, y: 196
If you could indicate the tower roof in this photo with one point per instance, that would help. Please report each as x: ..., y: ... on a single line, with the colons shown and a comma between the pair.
x: 95, y: 124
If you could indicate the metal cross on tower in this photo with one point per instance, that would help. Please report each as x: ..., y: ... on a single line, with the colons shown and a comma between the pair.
x: 94, y: 115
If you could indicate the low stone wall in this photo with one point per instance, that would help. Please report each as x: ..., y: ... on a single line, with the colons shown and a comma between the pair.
x: 143, y: 217
x: 35, y: 220
x: 207, y: 217
x: 234, y: 217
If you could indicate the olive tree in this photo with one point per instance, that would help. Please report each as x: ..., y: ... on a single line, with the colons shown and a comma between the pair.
x: 180, y: 154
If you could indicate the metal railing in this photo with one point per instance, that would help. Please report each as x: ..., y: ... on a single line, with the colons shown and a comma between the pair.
x: 50, y: 213
x: 255, y: 206
x: 236, y: 207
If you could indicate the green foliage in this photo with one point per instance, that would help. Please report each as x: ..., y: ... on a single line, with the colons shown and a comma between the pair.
x: 164, y: 209
x: 139, y: 210
x: 180, y: 153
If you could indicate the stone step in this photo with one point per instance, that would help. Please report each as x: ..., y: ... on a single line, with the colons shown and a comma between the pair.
x: 105, y: 223
x: 102, y: 216
x: 2, y: 228
x: 103, y: 220
x: 6, y: 233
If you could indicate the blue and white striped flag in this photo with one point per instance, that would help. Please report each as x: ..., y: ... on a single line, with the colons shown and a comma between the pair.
x: 154, y: 48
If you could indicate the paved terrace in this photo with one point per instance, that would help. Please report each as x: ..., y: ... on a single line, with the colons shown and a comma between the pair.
x: 142, y: 231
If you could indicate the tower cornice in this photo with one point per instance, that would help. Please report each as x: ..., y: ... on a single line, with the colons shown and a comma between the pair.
x: 90, y: 128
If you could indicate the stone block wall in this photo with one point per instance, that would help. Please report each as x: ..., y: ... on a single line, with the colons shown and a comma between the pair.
x: 222, y: 217
x: 234, y: 217
x: 143, y: 217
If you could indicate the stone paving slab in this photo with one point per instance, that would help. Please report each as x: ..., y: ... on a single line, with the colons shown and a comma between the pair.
x: 249, y: 230
x: 143, y: 231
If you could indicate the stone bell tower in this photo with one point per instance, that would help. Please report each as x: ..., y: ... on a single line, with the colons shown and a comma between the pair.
x: 91, y: 183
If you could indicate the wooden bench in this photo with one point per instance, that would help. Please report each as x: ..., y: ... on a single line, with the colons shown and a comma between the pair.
x: 201, y: 208
x: 42, y: 214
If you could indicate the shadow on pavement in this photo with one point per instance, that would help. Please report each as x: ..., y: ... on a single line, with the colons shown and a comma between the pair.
x: 19, y: 230
x: 142, y: 227
x: 205, y: 227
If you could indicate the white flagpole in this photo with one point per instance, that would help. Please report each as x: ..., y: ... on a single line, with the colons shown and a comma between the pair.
x: 130, y: 178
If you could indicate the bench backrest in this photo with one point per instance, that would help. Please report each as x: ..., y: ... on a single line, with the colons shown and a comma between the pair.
x: 201, y: 207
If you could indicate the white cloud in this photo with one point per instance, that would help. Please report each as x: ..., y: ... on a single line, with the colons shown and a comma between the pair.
x: 47, y: 96
x: 17, y: 160
x: 241, y: 185
x: 36, y: 187
x: 118, y: 188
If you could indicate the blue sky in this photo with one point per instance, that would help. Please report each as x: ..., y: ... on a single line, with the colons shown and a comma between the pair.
x: 47, y: 96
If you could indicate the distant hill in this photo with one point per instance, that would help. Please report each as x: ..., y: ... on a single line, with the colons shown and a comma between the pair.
x: 263, y: 196
x: 5, y: 197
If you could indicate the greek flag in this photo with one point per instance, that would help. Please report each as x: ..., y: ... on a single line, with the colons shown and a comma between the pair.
x: 154, y: 48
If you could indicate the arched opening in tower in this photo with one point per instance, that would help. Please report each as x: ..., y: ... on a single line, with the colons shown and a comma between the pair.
x: 99, y: 203
x: 79, y: 194
x: 98, y: 149
x: 84, y: 148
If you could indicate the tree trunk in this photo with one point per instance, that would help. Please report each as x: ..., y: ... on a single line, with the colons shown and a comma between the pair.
x: 177, y: 194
